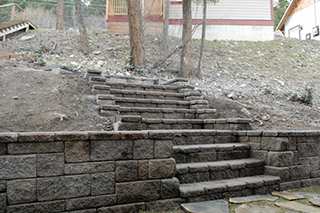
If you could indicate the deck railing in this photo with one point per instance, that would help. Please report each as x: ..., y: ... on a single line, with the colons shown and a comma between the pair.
x: 149, y: 7
x: 13, y: 8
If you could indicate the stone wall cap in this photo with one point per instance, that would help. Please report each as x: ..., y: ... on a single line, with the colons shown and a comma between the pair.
x: 71, y: 136
x: 35, y: 136
x: 8, y: 137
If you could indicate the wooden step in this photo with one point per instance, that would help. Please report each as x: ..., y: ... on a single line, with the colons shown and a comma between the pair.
x: 236, y: 187
x: 218, y: 170
x: 210, y: 152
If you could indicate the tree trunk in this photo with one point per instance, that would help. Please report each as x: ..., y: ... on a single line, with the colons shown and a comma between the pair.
x: 82, y: 29
x: 185, y: 67
x: 203, y: 38
x: 59, y: 18
x: 164, y: 47
x: 136, y: 34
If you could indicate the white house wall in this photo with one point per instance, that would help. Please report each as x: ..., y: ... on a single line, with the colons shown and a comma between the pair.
x: 228, y: 9
x: 229, y: 32
x: 305, y: 18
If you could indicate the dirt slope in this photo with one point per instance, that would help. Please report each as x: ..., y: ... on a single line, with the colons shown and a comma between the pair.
x: 259, y: 80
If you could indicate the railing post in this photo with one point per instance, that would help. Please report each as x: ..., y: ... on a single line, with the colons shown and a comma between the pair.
x: 12, y: 12
x: 23, y: 14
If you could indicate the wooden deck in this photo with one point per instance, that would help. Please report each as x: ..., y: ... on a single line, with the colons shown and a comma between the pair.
x: 123, y: 27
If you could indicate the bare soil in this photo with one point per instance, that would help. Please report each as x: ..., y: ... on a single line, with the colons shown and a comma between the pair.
x: 264, y: 81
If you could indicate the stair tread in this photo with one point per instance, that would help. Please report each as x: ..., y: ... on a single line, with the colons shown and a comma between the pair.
x: 149, y: 100
x: 143, y: 92
x: 197, y: 165
x: 202, y: 188
x: 207, y: 146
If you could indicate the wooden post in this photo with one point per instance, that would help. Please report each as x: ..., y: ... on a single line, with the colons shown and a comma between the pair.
x: 107, y: 10
x: 12, y: 12
x: 163, y: 9
x: 23, y: 15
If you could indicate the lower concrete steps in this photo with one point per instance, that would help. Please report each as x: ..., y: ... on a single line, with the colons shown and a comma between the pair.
x: 235, y: 187
x: 218, y: 170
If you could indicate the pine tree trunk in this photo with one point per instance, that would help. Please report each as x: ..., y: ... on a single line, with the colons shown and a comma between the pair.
x: 203, y: 38
x: 82, y: 29
x: 137, y: 52
x: 185, y: 67
x: 164, y: 47
x: 59, y: 18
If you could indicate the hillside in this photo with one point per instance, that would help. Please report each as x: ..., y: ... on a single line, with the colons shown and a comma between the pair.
x: 266, y: 81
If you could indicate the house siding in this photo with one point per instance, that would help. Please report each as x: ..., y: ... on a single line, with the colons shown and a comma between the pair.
x: 306, y: 18
x: 229, y: 9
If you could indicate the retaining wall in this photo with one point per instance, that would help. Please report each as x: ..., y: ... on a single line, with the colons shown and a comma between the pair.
x: 130, y: 171
x: 95, y: 172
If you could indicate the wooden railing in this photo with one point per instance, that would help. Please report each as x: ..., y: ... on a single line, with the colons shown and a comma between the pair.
x: 13, y: 8
x: 149, y: 7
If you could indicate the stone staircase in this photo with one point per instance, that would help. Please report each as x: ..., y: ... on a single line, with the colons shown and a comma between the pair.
x: 209, y: 166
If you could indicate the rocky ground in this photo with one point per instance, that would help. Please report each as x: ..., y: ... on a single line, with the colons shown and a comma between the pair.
x: 274, y: 83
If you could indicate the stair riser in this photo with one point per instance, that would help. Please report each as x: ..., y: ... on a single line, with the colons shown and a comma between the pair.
x: 148, y: 97
x: 219, y: 175
x: 210, y: 156
x: 150, y: 105
x: 194, y: 140
x: 237, y: 193
x: 162, y: 115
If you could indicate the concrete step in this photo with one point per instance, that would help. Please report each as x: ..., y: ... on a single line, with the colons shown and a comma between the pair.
x: 236, y: 187
x: 103, y: 99
x: 138, y: 84
x: 210, y: 152
x: 130, y: 122
x: 158, y: 113
x: 218, y: 170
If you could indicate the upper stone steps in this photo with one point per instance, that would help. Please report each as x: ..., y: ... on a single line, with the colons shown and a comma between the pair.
x: 235, y: 187
x: 210, y: 152
x: 218, y: 170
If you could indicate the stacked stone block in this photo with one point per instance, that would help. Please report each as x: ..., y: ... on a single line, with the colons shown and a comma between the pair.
x: 93, y: 171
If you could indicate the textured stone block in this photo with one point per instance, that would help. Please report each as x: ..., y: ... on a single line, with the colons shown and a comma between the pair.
x: 170, y: 188
x: 143, y: 172
x: 143, y: 149
x: 310, y: 163
x: 71, y: 136
x: 200, y: 157
x: 298, y: 172
x: 77, y: 151
x: 8, y: 137
x: 164, y: 205
x: 280, y: 159
x: 3, y: 149
x: 91, y: 167
x: 162, y: 168
x: 310, y: 182
x: 163, y: 148
x: 35, y: 148
x: 3, y: 185
x: 14, y: 167
x: 136, y: 207
x: 111, y: 150
x: 103, y: 183
x: 48, y: 207
x: 90, y: 202
x: 50, y: 164
x: 139, y: 191
x: 275, y: 143
x: 126, y: 171
x: 36, y: 137
x: 282, y: 172
x: 55, y: 188
x: 315, y: 174
x: 21, y: 191
x: 290, y: 185
x: 259, y: 154
x: 307, y: 149
x: 3, y: 203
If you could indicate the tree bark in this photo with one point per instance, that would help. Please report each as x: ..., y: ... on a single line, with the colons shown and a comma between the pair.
x: 203, y: 38
x: 137, y: 52
x: 164, y: 47
x: 59, y: 18
x: 82, y: 29
x: 185, y: 67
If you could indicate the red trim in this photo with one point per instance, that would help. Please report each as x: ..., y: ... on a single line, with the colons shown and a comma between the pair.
x: 225, y: 22
x: 176, y: 3
x: 155, y: 18
x: 272, y: 11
